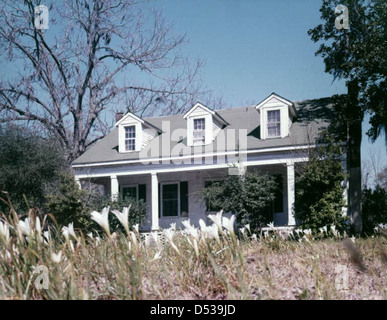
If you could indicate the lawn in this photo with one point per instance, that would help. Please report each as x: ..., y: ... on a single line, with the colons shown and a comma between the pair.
x: 38, y: 261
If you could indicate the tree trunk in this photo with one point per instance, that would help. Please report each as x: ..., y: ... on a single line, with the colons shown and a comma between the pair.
x: 355, y: 117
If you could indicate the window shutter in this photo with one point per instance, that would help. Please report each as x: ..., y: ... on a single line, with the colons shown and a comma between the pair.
x: 159, y: 200
x: 184, y: 198
x: 142, y: 192
x: 206, y: 185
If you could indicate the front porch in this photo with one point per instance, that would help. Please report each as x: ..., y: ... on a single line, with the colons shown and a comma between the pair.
x: 176, y: 195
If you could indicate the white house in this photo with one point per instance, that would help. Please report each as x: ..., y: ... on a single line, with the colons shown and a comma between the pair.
x: 168, y: 160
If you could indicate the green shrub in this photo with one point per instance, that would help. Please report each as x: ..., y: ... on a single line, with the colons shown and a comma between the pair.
x: 68, y: 203
x: 319, y: 189
x: 374, y: 208
x: 137, y: 212
x: 245, y: 196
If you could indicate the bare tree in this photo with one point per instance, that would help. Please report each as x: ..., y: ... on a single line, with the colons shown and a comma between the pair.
x: 371, y: 168
x: 381, y: 178
x: 365, y: 173
x: 97, y: 57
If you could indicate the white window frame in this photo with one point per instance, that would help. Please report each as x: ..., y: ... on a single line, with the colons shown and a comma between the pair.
x: 134, y: 139
x: 201, y: 142
x: 121, y: 135
x: 162, y: 184
x: 287, y: 110
x: 208, y: 118
x: 129, y: 186
x: 267, y: 124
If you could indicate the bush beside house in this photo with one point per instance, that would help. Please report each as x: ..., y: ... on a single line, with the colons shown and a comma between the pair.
x: 247, y: 196
x: 320, y: 188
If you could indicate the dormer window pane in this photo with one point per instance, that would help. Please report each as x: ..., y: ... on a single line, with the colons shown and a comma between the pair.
x: 199, y: 132
x: 130, y: 138
x: 274, y: 123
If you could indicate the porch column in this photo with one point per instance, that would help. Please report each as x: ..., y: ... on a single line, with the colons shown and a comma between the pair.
x: 77, y: 180
x: 155, y: 202
x: 291, y: 193
x: 114, y: 188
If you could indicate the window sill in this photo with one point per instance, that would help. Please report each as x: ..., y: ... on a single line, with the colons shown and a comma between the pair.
x: 172, y: 217
x: 273, y: 138
x: 129, y: 151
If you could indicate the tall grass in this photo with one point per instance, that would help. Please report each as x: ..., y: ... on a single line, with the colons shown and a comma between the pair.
x: 210, y: 262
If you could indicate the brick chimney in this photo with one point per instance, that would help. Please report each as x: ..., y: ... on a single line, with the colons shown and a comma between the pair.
x: 119, y: 116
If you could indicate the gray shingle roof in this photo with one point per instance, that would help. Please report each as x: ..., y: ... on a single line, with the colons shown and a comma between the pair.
x: 312, y: 117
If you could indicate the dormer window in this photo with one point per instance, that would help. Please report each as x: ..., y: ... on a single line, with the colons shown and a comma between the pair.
x: 130, y: 138
x: 134, y: 133
x: 276, y: 116
x: 199, y: 132
x: 203, y: 125
x: 273, y: 123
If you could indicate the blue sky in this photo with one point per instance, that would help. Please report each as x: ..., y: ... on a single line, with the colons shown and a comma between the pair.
x: 254, y: 47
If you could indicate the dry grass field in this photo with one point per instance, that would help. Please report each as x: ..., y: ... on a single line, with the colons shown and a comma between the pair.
x: 210, y: 262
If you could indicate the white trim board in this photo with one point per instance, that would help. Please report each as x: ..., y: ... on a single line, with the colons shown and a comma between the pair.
x: 201, y: 155
x: 286, y: 160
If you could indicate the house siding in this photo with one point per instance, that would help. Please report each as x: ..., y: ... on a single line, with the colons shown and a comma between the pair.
x: 216, y: 128
x: 147, y: 136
